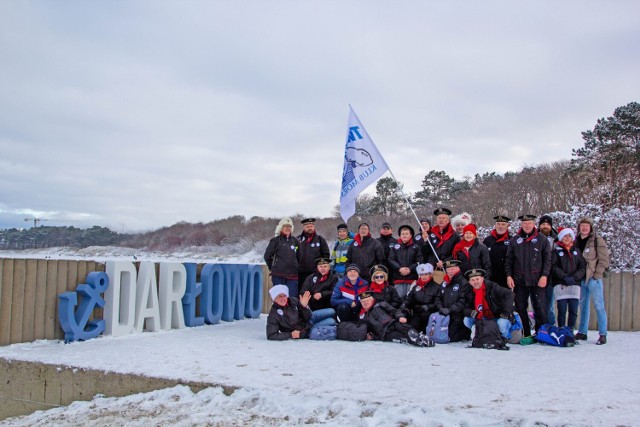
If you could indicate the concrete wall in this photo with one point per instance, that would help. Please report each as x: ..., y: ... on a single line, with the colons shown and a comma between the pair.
x: 26, y: 387
x: 29, y: 290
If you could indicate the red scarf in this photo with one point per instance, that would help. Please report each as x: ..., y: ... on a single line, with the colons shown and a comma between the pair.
x: 323, y: 278
x: 421, y: 283
x: 409, y: 243
x: 444, y: 235
x: 375, y: 287
x: 309, y: 236
x: 358, y: 238
x: 481, y: 300
x: 463, y: 246
x: 499, y: 237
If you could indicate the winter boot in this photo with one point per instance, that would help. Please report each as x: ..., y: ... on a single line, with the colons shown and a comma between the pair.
x: 414, y: 337
x: 426, y: 341
x: 602, y: 340
x: 580, y: 336
x: 527, y: 341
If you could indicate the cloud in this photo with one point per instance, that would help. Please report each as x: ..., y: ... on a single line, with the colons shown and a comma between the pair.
x: 135, y: 117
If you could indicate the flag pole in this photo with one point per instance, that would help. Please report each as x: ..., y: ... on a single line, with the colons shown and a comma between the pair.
x: 413, y: 212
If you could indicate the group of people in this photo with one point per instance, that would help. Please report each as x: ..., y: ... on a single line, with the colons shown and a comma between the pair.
x: 394, y: 284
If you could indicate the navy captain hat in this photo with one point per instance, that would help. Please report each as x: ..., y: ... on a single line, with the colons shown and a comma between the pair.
x: 501, y: 218
x: 474, y: 272
x: 452, y: 263
x: 440, y: 211
x: 527, y: 217
x: 308, y: 221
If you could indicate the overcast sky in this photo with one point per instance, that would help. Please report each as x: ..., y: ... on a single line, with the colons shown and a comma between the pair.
x: 139, y: 114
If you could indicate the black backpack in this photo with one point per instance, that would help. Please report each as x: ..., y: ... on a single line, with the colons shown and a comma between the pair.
x: 488, y: 335
x: 352, y: 331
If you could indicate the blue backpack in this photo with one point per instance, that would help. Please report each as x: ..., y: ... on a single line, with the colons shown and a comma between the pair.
x: 438, y: 328
x: 553, y: 335
x: 514, y: 334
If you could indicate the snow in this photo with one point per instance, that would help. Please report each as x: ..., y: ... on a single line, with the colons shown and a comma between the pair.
x: 341, y: 383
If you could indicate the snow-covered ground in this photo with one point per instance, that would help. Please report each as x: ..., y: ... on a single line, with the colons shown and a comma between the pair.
x: 342, y: 383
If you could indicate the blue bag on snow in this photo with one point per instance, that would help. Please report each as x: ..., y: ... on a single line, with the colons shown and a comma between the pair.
x: 553, y: 335
x: 323, y: 333
x: 438, y: 328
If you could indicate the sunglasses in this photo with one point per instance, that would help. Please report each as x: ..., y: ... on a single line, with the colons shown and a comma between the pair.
x: 379, y: 276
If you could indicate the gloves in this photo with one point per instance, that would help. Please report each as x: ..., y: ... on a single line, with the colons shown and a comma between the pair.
x: 569, y: 280
x: 444, y: 311
x: 474, y: 314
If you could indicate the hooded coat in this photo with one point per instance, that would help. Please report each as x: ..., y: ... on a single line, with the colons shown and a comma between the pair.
x: 595, y: 253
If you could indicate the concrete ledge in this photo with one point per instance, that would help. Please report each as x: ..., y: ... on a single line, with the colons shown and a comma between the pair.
x: 26, y: 387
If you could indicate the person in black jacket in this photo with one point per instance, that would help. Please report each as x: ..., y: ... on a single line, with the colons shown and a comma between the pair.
x: 292, y: 318
x: 528, y: 266
x: 569, y: 269
x: 320, y: 285
x: 385, y: 323
x: 387, y: 241
x: 490, y: 301
x: 282, y: 256
x: 422, y: 239
x: 455, y: 296
x: 497, y: 243
x: 381, y: 288
x: 471, y: 252
x: 443, y: 238
x: 312, y: 246
x: 404, y: 257
x: 289, y: 317
x: 421, y: 299
x: 365, y: 251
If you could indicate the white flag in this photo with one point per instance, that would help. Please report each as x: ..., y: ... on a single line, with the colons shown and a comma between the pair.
x: 363, y: 165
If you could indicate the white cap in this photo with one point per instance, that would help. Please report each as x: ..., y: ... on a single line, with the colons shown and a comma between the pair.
x: 566, y: 231
x: 424, y: 269
x: 277, y: 290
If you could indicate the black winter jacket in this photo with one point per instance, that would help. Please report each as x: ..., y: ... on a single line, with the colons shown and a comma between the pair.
x: 528, y: 258
x: 389, y: 295
x: 444, y: 252
x: 455, y: 295
x: 425, y: 248
x: 309, y: 251
x: 284, y: 320
x: 498, y: 256
x: 325, y: 288
x: 365, y: 255
x: 568, y: 263
x: 387, y: 243
x: 282, y: 256
x: 500, y: 300
x: 379, y: 319
x: 423, y: 299
x: 405, y: 255
x: 478, y: 258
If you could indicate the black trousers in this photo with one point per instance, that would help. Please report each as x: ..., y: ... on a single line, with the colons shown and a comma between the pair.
x: 398, y: 332
x: 346, y: 313
x: 538, y: 298
x: 419, y: 320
